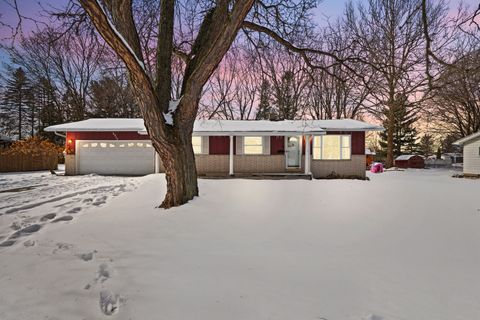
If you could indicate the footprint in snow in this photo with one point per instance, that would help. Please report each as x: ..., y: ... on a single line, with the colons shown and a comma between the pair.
x: 87, y: 256
x: 7, y: 243
x: 48, y: 216
x: 62, y: 247
x: 16, y: 225
x: 104, y: 273
x: 26, y: 231
x: 75, y: 210
x: 64, y: 218
x: 100, y: 201
x: 109, y: 302
x: 29, y: 243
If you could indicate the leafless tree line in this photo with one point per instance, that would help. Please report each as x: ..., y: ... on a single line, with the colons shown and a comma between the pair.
x: 386, y: 38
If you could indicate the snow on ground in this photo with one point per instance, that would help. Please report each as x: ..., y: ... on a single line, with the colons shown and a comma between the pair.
x: 30, y: 201
x: 402, y: 246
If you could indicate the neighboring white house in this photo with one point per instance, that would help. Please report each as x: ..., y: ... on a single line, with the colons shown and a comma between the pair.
x: 471, y: 154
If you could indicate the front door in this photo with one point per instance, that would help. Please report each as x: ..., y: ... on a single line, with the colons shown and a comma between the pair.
x: 293, y: 152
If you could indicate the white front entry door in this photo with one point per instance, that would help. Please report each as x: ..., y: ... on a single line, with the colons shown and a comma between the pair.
x: 293, y: 152
x: 120, y: 157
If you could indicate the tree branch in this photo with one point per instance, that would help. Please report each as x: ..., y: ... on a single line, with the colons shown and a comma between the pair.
x: 164, y: 53
x: 140, y: 80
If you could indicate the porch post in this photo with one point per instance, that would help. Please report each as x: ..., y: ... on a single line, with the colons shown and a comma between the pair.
x: 157, y: 162
x: 307, y: 154
x: 230, y: 171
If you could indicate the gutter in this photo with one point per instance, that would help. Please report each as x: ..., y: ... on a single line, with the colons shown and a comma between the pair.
x: 60, y: 135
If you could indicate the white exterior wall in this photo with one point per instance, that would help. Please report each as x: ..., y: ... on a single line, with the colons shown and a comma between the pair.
x: 471, y: 157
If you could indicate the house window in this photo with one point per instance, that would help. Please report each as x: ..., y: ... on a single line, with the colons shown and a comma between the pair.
x: 197, y: 145
x: 253, y: 145
x: 332, y: 147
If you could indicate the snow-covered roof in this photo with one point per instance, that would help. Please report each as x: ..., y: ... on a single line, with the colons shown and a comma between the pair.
x: 407, y: 156
x: 370, y: 152
x: 105, y: 124
x: 467, y: 139
x: 222, y: 127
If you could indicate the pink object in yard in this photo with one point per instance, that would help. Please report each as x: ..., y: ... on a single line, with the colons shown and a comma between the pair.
x: 376, y: 167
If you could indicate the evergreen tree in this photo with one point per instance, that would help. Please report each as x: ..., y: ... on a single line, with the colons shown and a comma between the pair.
x: 265, y: 110
x: 49, y: 113
x: 285, y: 105
x: 111, y: 98
x: 447, y: 145
x: 18, y: 111
x: 404, y: 133
x: 425, y: 146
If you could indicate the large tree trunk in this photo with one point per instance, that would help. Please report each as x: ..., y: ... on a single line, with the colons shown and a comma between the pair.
x: 172, y: 141
x: 173, y: 144
x: 178, y: 161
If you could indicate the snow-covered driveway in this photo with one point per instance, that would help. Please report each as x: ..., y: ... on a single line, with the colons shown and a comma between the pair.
x: 403, y: 246
x: 30, y: 201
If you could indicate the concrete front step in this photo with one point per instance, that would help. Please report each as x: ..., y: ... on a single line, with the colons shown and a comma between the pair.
x: 260, y: 176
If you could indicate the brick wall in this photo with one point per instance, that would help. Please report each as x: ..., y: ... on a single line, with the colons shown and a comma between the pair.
x: 70, y: 169
x: 345, y: 168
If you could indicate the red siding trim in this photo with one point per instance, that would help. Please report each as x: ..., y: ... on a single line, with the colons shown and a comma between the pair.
x: 304, y: 145
x: 277, y: 145
x: 358, y: 142
x: 220, y: 145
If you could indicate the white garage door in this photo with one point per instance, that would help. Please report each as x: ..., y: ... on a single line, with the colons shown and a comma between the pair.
x: 135, y: 157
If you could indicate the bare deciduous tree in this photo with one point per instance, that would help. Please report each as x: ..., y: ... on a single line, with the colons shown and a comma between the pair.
x: 217, y: 30
x: 456, y: 103
x: 390, y: 37
x: 67, y: 63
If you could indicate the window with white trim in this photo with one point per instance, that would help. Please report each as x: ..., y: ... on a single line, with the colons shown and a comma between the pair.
x: 253, y: 145
x: 332, y: 147
x: 197, y: 144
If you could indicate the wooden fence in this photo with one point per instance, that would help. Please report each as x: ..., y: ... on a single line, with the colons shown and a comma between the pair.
x: 28, y: 162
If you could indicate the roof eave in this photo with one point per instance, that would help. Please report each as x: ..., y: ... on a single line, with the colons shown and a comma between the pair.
x: 467, y: 139
x: 255, y: 133
x: 51, y: 129
x: 356, y: 129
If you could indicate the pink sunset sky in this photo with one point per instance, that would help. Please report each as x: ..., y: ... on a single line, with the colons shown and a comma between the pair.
x: 327, y: 9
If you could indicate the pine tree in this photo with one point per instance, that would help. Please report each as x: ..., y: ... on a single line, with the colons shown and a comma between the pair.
x: 265, y: 110
x: 17, y: 106
x: 404, y: 133
x: 285, y: 106
x: 425, y: 146
x: 48, y: 112
x: 110, y: 98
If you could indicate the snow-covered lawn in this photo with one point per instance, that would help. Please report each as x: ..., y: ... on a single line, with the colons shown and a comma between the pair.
x: 30, y: 201
x: 403, y: 246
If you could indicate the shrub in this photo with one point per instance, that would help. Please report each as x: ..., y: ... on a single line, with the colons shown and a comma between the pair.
x: 33, y: 146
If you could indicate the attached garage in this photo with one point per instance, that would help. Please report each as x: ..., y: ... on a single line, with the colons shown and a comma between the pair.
x: 131, y: 157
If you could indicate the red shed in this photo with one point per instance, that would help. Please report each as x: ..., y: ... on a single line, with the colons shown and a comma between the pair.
x: 410, y: 161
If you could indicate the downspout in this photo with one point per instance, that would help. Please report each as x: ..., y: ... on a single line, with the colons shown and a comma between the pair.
x: 60, y: 135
